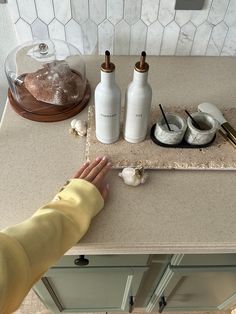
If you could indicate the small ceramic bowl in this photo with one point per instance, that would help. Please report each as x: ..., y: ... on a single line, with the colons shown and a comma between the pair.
x: 208, y: 124
x: 178, y: 127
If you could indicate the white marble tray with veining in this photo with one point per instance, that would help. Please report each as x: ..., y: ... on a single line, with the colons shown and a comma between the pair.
x: 221, y: 155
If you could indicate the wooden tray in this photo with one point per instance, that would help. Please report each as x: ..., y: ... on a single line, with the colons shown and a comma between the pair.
x: 221, y: 155
x: 47, y: 112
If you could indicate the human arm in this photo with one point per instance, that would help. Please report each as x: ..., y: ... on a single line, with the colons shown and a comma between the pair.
x: 28, y: 249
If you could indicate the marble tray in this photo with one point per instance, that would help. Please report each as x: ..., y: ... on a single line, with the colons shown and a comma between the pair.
x: 221, y: 155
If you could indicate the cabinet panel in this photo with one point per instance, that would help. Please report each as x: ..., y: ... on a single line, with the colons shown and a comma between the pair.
x: 207, y: 290
x: 91, y: 289
x: 157, y: 266
x: 196, y: 283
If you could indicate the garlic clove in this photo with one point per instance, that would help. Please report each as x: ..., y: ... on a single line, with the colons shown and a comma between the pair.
x: 73, y: 122
x: 79, y: 127
x: 133, y: 176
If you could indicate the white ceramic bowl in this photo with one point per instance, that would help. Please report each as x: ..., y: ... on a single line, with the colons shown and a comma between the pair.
x: 208, y: 124
x: 178, y: 127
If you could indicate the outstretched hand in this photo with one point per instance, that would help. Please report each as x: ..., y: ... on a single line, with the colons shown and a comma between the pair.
x: 95, y: 172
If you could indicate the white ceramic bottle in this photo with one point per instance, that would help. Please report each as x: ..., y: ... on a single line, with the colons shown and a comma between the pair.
x: 138, y: 103
x: 107, y: 104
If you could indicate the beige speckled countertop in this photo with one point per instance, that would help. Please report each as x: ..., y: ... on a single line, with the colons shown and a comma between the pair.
x: 174, y: 212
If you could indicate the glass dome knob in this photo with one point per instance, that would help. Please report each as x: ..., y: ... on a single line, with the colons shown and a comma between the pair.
x: 43, y: 49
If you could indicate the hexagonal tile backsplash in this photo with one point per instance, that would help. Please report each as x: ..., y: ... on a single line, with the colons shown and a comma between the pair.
x: 128, y: 26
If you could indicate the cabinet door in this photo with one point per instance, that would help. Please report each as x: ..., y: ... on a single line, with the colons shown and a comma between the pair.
x: 91, y: 289
x: 196, y: 288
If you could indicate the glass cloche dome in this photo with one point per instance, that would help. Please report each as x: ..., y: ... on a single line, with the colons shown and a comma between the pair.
x: 47, y: 80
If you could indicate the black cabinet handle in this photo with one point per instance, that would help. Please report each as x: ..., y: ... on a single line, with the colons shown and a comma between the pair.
x: 131, y: 304
x: 81, y: 261
x: 162, y: 304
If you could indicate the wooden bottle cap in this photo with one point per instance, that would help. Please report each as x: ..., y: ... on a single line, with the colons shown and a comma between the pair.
x: 142, y: 66
x: 107, y: 66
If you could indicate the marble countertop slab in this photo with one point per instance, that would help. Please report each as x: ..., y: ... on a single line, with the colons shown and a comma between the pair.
x: 174, y: 212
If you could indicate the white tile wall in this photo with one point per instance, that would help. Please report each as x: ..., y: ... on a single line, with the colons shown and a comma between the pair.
x: 122, y: 38
x: 39, y: 29
x: 129, y: 26
x: 105, y: 37
x: 185, y: 41
x: 56, y: 30
x: 62, y: 10
x: 90, y: 37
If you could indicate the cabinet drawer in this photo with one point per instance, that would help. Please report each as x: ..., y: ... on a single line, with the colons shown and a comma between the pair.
x: 105, y: 261
x: 90, y: 289
x: 198, y: 289
x: 208, y: 260
x: 196, y: 282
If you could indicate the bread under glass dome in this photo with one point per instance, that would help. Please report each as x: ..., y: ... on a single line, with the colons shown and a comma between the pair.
x: 47, y: 80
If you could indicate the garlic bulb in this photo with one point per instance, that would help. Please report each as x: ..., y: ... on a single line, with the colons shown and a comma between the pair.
x: 133, y: 176
x: 78, y: 127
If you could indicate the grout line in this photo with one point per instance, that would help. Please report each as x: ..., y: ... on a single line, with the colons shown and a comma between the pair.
x: 195, y: 30
x: 209, y: 37
x: 36, y: 10
x: 123, y: 12
x: 163, y: 32
x: 89, y: 10
x: 141, y: 8
x: 145, y: 43
x: 53, y: 9
x: 227, y: 10
x: 159, y: 1
x: 195, y: 33
x: 216, y: 46
x: 209, y: 9
x: 49, y: 37
x: 31, y: 31
x: 18, y: 11
x: 224, y: 39
x: 98, y: 49
x: 129, y: 37
x: 66, y: 37
x: 106, y: 9
x: 71, y: 10
x: 107, y: 12
x: 178, y: 38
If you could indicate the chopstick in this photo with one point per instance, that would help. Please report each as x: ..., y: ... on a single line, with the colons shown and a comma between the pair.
x: 164, y: 116
x: 194, y: 121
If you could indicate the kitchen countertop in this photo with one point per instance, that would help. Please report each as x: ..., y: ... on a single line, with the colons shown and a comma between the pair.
x: 174, y: 212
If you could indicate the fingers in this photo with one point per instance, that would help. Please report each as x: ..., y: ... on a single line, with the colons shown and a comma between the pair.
x: 95, y: 172
x: 99, y: 179
x: 97, y: 169
x: 88, y: 169
x: 81, y: 170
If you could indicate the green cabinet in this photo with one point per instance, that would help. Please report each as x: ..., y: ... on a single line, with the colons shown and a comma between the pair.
x: 107, y: 283
x: 152, y: 283
x: 196, y: 283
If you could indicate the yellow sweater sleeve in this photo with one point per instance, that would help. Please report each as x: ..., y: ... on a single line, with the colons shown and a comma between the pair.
x: 28, y: 249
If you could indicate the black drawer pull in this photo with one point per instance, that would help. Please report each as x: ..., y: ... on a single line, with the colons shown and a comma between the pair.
x: 81, y: 261
x: 162, y: 304
x: 131, y: 304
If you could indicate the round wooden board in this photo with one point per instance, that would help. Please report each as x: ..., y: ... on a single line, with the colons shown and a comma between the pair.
x: 68, y: 112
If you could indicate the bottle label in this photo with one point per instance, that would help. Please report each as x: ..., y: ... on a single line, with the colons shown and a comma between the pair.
x: 107, y: 126
x: 108, y: 115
